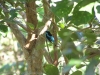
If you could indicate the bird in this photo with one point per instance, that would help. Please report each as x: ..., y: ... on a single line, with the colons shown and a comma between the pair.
x: 49, y: 37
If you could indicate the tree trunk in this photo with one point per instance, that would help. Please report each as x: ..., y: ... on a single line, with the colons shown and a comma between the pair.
x: 33, y: 45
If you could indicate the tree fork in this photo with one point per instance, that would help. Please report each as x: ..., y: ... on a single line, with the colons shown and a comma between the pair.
x: 34, y: 57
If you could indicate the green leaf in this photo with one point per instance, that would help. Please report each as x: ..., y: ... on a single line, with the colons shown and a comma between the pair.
x: 77, y: 73
x: 21, y: 66
x: 51, y: 69
x: 3, y: 28
x: 83, y: 12
x: 90, y: 36
x: 67, y: 68
x: 81, y: 17
x: 68, y: 19
x: 39, y: 16
x: 62, y: 8
x: 72, y: 55
x: 61, y: 25
x: 6, y: 68
x: 75, y: 61
x: 90, y: 70
x: 97, y: 10
x: 52, y: 54
x: 68, y: 46
x: 2, y: 14
x: 83, y: 3
x: 80, y: 66
x: 13, y: 13
x: 64, y: 33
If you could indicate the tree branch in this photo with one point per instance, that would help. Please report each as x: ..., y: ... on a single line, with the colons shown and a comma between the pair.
x: 16, y: 31
x: 21, y: 25
x: 20, y: 37
x: 47, y: 18
x: 55, y: 29
x: 30, y: 14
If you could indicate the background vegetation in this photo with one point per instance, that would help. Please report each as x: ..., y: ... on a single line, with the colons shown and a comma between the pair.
x: 75, y: 25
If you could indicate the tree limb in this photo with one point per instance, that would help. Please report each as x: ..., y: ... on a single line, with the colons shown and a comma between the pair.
x: 16, y: 31
x: 20, y: 37
x: 21, y: 25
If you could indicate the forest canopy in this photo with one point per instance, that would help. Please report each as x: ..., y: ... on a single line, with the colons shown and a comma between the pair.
x: 49, y: 37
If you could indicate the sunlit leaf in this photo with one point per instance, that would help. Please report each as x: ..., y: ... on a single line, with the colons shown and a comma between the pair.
x: 62, y: 8
x: 75, y: 61
x: 83, y: 3
x: 83, y: 12
x: 40, y: 12
x: 81, y: 17
x: 77, y: 73
x: 61, y: 25
x: 80, y: 66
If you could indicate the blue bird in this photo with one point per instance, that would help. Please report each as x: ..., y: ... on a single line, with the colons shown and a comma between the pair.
x: 49, y: 36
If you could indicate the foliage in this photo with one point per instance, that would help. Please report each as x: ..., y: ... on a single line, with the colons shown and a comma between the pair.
x: 51, y: 69
x: 78, y: 24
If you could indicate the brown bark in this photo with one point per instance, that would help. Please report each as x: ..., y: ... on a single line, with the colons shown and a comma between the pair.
x: 31, y: 14
x: 31, y: 46
x: 34, y: 43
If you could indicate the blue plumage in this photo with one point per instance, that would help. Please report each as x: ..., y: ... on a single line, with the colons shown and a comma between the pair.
x: 49, y: 36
